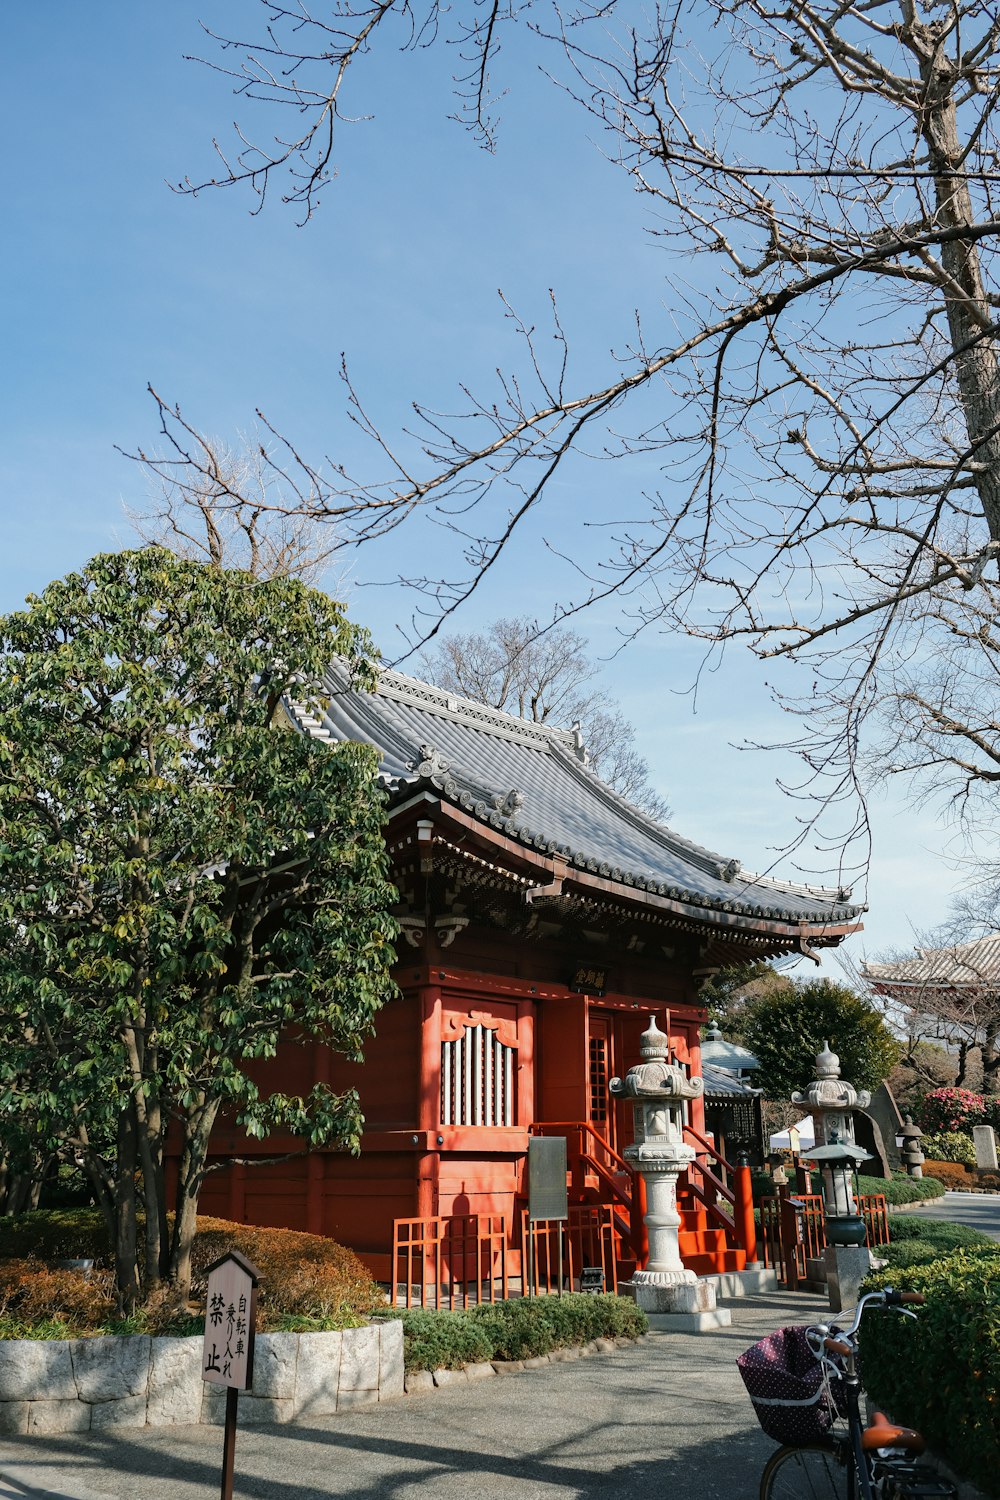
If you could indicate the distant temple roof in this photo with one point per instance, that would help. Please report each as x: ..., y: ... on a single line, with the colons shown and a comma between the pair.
x: 730, y: 1057
x: 965, y: 966
x: 530, y: 783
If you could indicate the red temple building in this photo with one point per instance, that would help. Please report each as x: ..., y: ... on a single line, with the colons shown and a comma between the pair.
x: 543, y: 920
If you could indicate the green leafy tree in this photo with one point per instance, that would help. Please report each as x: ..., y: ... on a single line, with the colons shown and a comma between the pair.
x: 787, y: 1027
x: 183, y: 881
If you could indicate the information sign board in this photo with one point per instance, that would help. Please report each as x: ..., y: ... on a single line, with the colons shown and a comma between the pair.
x: 230, y: 1322
x: 547, y: 1195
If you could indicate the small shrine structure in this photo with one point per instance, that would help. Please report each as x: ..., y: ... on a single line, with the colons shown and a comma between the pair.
x: 543, y: 918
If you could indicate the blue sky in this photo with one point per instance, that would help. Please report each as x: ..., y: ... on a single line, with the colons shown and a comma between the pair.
x: 112, y: 281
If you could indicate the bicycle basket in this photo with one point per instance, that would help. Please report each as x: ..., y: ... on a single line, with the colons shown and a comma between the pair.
x: 786, y: 1384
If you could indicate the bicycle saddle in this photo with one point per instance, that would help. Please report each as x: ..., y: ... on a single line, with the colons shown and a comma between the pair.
x: 885, y: 1434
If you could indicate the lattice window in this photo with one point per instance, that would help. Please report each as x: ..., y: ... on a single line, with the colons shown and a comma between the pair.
x: 477, y: 1079
x: 598, y: 1079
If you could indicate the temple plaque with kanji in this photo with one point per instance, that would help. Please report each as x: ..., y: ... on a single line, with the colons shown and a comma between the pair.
x: 230, y: 1322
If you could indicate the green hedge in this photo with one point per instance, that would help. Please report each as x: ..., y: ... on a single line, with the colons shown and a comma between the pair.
x: 914, y: 1241
x: 519, y: 1329
x: 57, y: 1234
x: 897, y: 1189
x: 902, y: 1189
x: 941, y: 1371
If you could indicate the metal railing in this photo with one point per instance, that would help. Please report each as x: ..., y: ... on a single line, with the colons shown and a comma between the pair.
x: 793, y: 1230
x: 559, y: 1248
x: 451, y: 1262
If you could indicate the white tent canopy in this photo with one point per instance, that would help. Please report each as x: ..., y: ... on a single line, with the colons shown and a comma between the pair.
x: 798, y: 1137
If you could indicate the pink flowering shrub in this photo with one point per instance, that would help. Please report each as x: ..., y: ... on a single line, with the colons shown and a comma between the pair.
x: 952, y: 1109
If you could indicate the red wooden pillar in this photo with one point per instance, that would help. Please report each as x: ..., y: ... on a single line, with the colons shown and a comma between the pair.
x: 316, y: 1161
x: 746, y: 1229
x: 315, y: 1177
x: 429, y: 1100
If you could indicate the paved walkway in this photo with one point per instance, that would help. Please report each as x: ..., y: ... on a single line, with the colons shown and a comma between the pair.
x: 980, y: 1210
x: 667, y: 1415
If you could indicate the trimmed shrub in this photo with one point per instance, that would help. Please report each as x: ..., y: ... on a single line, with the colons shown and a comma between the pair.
x: 949, y: 1174
x: 941, y: 1372
x: 949, y: 1145
x: 520, y: 1329
x: 304, y: 1274
x: 901, y: 1189
x: 951, y: 1109
x: 30, y: 1292
x: 442, y: 1340
x: 529, y: 1327
x: 56, y: 1234
x: 915, y: 1242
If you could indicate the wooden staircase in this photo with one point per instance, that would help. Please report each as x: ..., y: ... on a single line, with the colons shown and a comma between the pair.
x: 713, y: 1200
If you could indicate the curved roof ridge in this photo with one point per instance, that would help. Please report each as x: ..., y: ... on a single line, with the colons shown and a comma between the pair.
x: 458, y: 709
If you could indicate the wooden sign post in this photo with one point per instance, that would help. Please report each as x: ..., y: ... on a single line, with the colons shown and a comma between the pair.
x: 227, y: 1357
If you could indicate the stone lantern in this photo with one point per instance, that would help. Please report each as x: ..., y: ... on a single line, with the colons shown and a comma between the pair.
x: 831, y: 1101
x: 908, y: 1140
x: 659, y: 1089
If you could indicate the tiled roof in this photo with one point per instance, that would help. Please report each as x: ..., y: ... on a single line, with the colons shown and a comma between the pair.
x: 729, y: 1056
x: 528, y: 781
x: 720, y: 1083
x: 967, y: 964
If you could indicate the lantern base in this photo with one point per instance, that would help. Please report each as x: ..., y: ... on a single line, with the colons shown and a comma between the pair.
x: 687, y: 1307
x: 846, y: 1268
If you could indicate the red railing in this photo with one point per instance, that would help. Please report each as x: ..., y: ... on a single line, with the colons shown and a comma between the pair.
x: 449, y: 1262
x: 588, y: 1151
x: 587, y: 1238
x: 793, y: 1230
x: 708, y: 1187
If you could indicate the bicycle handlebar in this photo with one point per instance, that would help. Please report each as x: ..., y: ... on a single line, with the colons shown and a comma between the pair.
x: 887, y: 1297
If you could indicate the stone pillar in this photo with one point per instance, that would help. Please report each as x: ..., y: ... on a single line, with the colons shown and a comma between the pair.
x: 986, y: 1147
x: 664, y: 1287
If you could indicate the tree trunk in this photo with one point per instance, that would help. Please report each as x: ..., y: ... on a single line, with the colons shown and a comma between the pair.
x: 991, y: 1059
x: 968, y: 309
x: 125, y: 1230
x: 191, y: 1174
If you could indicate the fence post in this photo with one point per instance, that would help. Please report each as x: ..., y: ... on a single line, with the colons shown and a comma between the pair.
x: 746, y: 1229
x: 790, y: 1231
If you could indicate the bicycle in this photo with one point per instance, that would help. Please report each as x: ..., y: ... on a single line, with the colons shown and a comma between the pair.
x: 874, y: 1462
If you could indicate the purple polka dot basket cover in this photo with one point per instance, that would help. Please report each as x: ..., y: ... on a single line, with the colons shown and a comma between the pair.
x: 787, y: 1387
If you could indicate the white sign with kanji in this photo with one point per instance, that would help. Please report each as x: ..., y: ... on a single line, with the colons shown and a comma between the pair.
x: 230, y: 1322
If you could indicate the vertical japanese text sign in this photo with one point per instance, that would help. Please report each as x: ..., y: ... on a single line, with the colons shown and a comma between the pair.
x: 230, y: 1322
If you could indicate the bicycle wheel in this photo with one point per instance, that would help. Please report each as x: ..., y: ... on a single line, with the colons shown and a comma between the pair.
x: 805, y: 1474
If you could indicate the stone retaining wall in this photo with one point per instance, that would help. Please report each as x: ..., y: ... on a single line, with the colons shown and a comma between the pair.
x: 82, y: 1385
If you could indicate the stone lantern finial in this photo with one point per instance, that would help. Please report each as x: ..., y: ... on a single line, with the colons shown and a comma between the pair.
x: 827, y: 1063
x: 654, y: 1043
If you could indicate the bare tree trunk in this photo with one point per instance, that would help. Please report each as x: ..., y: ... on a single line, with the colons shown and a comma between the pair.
x: 991, y: 1059
x: 963, y: 1064
x: 124, y: 1221
x: 970, y: 317
x: 191, y: 1175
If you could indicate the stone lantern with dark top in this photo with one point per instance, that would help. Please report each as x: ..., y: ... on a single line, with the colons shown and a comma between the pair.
x: 908, y: 1140
x: 831, y: 1102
